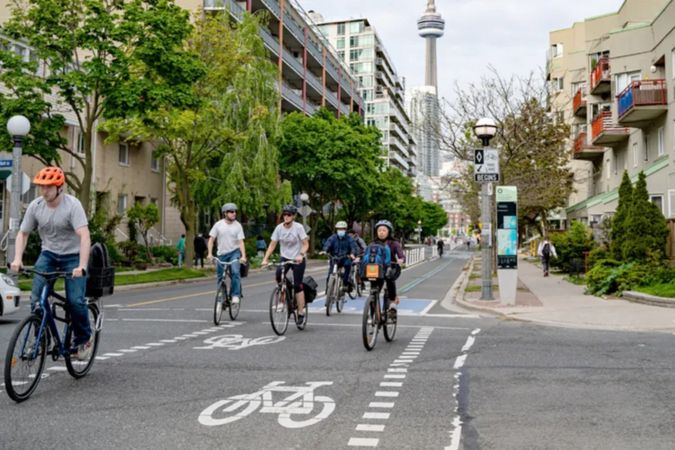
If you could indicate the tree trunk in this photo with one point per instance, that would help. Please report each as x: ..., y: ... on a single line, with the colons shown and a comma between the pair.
x: 188, y: 217
x: 85, y: 187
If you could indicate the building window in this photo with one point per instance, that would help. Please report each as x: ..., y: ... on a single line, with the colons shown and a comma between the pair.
x: 354, y: 55
x: 356, y: 27
x: 121, y: 204
x: 657, y: 199
x: 341, y: 54
x: 354, y: 41
x: 123, y: 154
x: 635, y: 154
x: 341, y: 43
x: 154, y: 164
x: 153, y: 200
x: 341, y: 29
x: 624, y: 79
x: 671, y: 204
x: 80, y: 143
x: 661, y: 149
x: 556, y: 50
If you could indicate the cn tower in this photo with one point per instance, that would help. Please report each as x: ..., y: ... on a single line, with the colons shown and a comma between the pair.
x: 431, y: 26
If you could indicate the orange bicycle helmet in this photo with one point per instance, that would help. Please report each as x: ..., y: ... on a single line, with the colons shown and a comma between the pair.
x: 50, y: 176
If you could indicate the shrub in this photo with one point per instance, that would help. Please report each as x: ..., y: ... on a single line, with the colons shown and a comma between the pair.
x: 608, y: 276
x: 165, y: 253
x: 570, y: 247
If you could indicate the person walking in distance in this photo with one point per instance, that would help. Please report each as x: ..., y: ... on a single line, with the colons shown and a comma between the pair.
x: 180, y: 248
x: 545, y: 251
x: 440, y: 245
x: 200, y: 249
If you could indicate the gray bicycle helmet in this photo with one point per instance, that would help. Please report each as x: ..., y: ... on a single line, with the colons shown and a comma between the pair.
x: 290, y: 209
x: 387, y: 224
x: 228, y: 207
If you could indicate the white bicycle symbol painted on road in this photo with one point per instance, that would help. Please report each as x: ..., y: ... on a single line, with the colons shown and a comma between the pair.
x: 300, y: 402
x: 237, y: 342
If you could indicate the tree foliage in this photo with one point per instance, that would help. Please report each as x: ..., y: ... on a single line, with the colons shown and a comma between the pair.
x: 620, y: 218
x: 99, y: 58
x: 220, y: 147
x: 144, y: 217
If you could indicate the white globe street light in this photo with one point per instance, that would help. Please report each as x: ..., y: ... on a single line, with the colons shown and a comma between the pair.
x: 485, y: 129
x: 18, y: 127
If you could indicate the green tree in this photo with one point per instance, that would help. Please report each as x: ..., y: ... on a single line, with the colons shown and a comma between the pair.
x: 646, y: 229
x: 144, y: 218
x: 336, y: 161
x: 619, y: 222
x: 100, y: 58
x: 221, y: 148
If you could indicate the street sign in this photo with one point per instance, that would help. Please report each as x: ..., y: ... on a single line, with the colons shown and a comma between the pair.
x: 486, y: 165
x: 25, y: 183
x: 307, y: 228
x: 4, y: 163
x: 305, y: 210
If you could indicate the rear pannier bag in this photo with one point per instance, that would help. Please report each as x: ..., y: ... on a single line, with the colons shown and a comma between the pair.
x: 310, y: 288
x: 101, y: 273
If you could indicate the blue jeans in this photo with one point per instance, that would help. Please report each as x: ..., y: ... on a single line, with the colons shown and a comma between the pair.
x: 181, y: 257
x: 75, y: 289
x: 234, y: 255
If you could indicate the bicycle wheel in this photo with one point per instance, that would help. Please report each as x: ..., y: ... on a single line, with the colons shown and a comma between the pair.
x: 369, y: 327
x: 221, y: 295
x: 278, y: 311
x: 234, y: 308
x: 389, y: 327
x: 357, y: 284
x: 79, y: 368
x: 25, y: 359
x: 340, y: 295
x: 352, y: 277
x: 330, y: 294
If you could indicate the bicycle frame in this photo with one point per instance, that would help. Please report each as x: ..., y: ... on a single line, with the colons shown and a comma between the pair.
x: 49, y: 319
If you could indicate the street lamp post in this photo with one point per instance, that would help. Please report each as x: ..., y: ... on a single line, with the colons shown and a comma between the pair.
x: 18, y: 127
x: 485, y: 129
x: 419, y: 231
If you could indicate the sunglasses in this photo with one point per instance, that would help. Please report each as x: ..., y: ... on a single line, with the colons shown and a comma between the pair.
x: 231, y: 212
x: 287, y: 214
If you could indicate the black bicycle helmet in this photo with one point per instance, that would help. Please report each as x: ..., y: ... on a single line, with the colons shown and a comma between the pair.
x: 290, y: 209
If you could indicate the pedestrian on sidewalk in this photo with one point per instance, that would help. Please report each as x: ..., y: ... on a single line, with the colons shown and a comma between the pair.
x: 200, y: 249
x: 180, y: 248
x: 440, y: 245
x: 545, y: 251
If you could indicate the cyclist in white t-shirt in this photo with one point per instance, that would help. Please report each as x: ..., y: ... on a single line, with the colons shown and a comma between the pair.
x: 294, y: 245
x: 230, y: 235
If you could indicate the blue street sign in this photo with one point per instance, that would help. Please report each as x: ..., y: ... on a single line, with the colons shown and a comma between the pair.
x: 5, y: 163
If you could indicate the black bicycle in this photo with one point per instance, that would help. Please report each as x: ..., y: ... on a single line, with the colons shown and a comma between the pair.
x: 37, y: 335
x: 357, y: 282
x: 224, y: 294
x: 373, y: 317
x: 283, y: 304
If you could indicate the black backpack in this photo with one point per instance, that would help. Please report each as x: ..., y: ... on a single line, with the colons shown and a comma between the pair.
x: 546, y: 251
x: 101, y: 273
x: 310, y: 288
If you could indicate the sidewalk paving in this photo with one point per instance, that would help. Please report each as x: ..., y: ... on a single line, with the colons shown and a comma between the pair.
x: 555, y: 301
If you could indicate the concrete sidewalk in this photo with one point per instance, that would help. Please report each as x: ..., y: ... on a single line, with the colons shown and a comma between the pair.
x: 554, y: 301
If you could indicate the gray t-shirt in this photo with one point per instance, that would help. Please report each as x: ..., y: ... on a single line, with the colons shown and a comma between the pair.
x: 56, y: 226
x: 290, y: 239
x: 228, y: 236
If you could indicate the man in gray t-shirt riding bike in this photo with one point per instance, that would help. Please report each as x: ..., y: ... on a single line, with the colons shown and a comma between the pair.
x: 64, y: 231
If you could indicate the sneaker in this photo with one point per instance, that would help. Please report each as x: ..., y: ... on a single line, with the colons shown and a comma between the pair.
x: 301, y: 319
x: 84, y: 351
x: 235, y: 300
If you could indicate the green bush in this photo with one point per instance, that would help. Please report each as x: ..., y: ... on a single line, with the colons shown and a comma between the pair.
x: 571, y: 245
x: 608, y: 276
x: 165, y: 253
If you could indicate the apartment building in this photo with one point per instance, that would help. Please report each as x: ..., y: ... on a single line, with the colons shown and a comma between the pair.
x: 612, y: 79
x: 382, y: 89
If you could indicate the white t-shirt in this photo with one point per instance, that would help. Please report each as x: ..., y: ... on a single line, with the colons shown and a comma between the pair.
x: 290, y: 239
x: 57, y: 226
x: 228, y: 235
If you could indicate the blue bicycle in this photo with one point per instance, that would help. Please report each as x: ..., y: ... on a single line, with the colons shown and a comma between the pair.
x: 32, y: 340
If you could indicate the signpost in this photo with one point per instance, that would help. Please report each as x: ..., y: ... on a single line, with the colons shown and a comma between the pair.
x: 486, y: 171
x: 507, y: 243
x: 486, y: 165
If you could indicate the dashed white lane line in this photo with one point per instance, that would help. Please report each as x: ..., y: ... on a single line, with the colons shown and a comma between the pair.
x: 369, y: 427
x: 376, y: 415
x: 363, y: 442
x: 456, y: 432
x: 391, y: 384
x: 386, y: 394
x: 57, y: 368
x: 102, y: 358
x: 167, y: 341
x: 140, y: 347
x: 155, y: 344
x: 112, y: 354
x: 397, y: 369
x: 394, y: 376
x: 128, y: 350
x: 381, y: 405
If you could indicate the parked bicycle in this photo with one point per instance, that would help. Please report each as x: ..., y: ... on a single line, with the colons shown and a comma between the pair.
x: 335, y: 291
x: 224, y: 294
x: 37, y: 335
x: 373, y: 316
x: 282, y: 302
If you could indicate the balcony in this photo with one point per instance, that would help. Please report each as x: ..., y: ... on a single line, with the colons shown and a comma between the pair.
x: 314, y: 50
x: 344, y: 109
x: 229, y: 5
x: 606, y: 132
x: 273, y: 7
x: 314, y: 82
x: 601, y: 82
x: 641, y: 102
x: 331, y: 69
x: 293, y: 63
x: 332, y: 98
x: 582, y: 150
x: 294, y: 28
x: 579, y: 103
x: 292, y: 96
x: 270, y: 41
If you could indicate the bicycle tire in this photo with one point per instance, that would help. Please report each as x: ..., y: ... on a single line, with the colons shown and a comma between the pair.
x: 219, y: 303
x: 279, y: 313
x: 340, y: 296
x: 234, y: 308
x: 357, y: 283
x: 369, y: 325
x: 30, y: 323
x: 330, y: 294
x: 303, y: 325
x: 390, y: 327
x: 78, y: 369
x: 352, y: 277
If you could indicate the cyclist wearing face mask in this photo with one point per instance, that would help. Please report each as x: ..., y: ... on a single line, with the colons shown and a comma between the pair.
x: 341, y: 246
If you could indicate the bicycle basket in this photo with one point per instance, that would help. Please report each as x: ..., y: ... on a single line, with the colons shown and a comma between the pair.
x: 310, y: 288
x: 373, y: 272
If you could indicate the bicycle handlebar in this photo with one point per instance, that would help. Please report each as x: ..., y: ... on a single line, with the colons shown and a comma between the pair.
x: 221, y: 263
x: 57, y: 274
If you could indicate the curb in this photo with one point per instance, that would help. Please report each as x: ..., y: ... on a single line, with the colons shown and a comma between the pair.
x: 456, y: 293
x: 648, y: 299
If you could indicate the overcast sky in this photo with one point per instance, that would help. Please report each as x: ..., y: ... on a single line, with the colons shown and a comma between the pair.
x: 511, y: 35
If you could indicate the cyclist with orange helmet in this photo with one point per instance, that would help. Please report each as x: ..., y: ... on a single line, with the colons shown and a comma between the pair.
x: 64, y: 231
